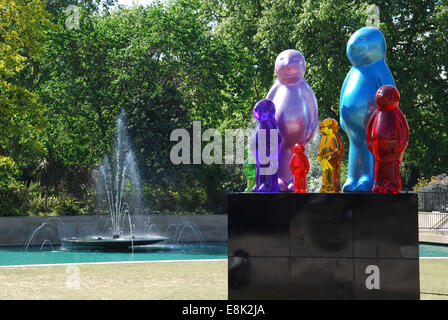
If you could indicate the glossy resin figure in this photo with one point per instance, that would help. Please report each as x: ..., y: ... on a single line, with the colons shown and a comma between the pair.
x: 366, y: 50
x: 330, y: 156
x: 250, y: 170
x: 265, y: 146
x: 296, y: 108
x: 299, y: 167
x: 387, y: 138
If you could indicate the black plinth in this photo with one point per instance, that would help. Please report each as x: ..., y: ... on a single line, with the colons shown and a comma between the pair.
x: 323, y: 246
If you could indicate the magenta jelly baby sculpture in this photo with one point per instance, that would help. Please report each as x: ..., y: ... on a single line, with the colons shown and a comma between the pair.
x: 265, y: 146
x: 296, y: 110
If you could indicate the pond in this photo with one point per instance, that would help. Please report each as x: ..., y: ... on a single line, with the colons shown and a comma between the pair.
x: 56, y: 255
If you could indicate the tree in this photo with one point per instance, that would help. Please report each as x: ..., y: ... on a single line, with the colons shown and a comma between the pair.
x: 416, y: 34
x: 22, y: 25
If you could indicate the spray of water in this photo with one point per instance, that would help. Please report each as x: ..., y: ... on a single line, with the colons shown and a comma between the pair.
x: 179, y: 230
x: 50, y: 222
x: 44, y: 243
x: 120, y: 180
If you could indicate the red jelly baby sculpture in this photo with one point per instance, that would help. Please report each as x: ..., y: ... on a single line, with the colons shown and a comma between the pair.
x: 299, y: 166
x: 387, y: 138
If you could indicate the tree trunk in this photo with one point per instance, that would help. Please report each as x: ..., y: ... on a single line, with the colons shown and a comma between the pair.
x: 46, y: 199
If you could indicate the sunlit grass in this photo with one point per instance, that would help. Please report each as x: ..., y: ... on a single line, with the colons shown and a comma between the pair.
x: 170, y: 281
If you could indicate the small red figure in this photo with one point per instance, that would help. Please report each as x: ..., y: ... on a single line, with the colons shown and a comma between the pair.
x: 387, y: 138
x: 299, y: 167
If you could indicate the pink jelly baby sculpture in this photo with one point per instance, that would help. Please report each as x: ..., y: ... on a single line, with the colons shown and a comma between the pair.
x: 387, y: 139
x: 299, y: 167
x: 296, y: 109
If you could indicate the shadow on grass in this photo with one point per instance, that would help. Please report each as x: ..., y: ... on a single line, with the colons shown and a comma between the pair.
x: 435, y: 293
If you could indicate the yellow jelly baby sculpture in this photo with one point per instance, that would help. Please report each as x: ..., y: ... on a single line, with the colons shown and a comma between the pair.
x: 330, y: 156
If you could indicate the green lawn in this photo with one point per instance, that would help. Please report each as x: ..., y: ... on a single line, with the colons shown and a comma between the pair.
x: 154, y: 281
x: 165, y: 280
x: 434, y: 279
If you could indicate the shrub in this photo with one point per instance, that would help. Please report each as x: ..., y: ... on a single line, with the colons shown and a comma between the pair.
x: 436, y: 184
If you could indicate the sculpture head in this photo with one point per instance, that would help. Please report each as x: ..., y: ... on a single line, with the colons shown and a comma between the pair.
x: 264, y: 110
x: 366, y: 46
x: 387, y: 98
x: 298, y: 148
x: 329, y: 126
x: 290, y: 66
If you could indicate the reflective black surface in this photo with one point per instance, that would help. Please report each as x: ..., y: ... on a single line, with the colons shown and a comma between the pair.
x: 318, y: 228
x: 267, y: 278
x: 398, y: 278
x: 259, y: 224
x: 386, y: 226
x: 321, y: 278
x: 318, y: 246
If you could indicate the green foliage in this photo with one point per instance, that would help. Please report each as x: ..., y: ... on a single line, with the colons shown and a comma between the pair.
x: 416, y: 34
x: 8, y: 170
x: 14, y: 199
x: 58, y: 204
x: 173, y: 62
x: 19, y: 199
x: 437, y: 183
x: 410, y: 175
x: 22, y: 25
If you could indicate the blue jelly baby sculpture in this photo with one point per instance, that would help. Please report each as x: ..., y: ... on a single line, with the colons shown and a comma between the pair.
x: 366, y: 50
x: 265, y: 146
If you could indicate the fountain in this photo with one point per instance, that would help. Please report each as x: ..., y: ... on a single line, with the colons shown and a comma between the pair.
x: 118, y: 182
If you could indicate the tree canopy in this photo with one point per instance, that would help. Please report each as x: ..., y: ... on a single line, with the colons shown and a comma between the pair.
x: 174, y: 62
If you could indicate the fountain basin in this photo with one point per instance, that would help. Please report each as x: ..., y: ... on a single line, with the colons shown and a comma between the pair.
x: 110, y: 243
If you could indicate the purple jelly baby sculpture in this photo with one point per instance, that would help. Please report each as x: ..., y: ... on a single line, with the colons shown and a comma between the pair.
x: 296, y: 109
x: 265, y: 146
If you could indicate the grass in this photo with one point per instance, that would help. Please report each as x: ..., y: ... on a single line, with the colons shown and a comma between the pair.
x: 151, y: 281
x: 434, y: 279
x: 195, y: 280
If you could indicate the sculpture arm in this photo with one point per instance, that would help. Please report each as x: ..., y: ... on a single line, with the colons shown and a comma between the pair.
x: 273, y: 91
x: 312, y: 109
x: 254, y: 144
x: 383, y: 75
x: 311, y: 112
x: 341, y: 118
x: 307, y: 165
x: 291, y: 165
x: 340, y: 146
x: 334, y: 147
x: 369, y: 131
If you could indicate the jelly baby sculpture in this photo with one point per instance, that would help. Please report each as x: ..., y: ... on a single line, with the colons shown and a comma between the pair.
x: 387, y: 139
x: 250, y: 170
x: 296, y: 108
x: 265, y: 146
x: 366, y: 50
x: 330, y: 156
x: 299, y: 167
